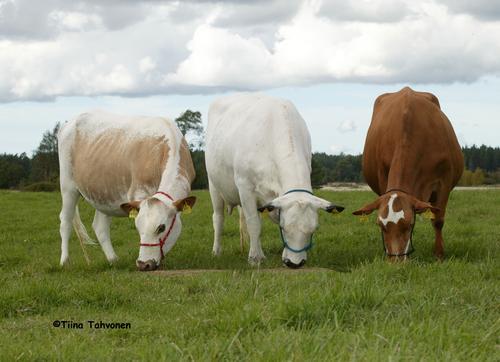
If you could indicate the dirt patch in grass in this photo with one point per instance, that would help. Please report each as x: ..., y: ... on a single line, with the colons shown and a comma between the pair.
x: 189, y: 272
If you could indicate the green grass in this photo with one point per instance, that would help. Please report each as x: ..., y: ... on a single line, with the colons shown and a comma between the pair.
x: 363, y: 309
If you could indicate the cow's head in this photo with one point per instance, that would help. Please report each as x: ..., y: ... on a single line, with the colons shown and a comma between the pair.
x: 396, y: 219
x: 297, y: 214
x: 159, y: 227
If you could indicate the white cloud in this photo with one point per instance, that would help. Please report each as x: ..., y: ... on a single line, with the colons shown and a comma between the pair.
x: 484, y: 9
x: 421, y: 48
x: 240, y: 14
x: 379, y: 11
x: 146, y: 65
x: 347, y: 126
x: 221, y: 58
x: 93, y: 62
x: 338, y: 149
x: 74, y: 21
x: 89, y: 47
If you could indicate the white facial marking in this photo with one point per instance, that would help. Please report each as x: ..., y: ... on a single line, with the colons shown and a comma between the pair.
x: 407, y: 246
x: 392, y: 216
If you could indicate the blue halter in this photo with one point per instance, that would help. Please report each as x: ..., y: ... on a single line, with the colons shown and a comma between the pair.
x: 285, y: 243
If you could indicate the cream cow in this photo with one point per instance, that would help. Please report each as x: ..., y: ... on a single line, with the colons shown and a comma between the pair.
x: 122, y: 165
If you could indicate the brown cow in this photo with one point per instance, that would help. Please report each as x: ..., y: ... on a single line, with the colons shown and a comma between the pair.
x: 412, y: 160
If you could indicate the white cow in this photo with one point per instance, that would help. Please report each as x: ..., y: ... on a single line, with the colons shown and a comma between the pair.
x: 121, y: 165
x: 258, y: 155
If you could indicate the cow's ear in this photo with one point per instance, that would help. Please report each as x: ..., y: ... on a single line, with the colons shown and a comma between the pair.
x: 421, y: 206
x: 326, y: 205
x: 274, y: 204
x: 368, y: 208
x: 267, y: 207
x: 185, y: 204
x: 334, y: 209
x: 132, y: 206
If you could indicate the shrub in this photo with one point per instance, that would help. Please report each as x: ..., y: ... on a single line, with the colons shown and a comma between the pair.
x: 41, y: 186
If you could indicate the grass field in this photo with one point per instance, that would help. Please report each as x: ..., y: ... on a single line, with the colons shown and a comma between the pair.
x: 363, y: 308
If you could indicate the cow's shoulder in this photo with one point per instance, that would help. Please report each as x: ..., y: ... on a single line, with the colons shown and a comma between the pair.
x: 380, y: 99
x: 430, y: 97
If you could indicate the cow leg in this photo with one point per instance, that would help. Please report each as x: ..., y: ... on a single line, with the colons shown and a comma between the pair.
x: 69, y: 201
x: 252, y: 218
x: 217, y: 218
x: 243, y: 229
x: 438, y: 223
x: 101, y: 226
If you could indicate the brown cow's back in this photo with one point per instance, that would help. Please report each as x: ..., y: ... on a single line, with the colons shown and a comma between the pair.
x: 411, y: 145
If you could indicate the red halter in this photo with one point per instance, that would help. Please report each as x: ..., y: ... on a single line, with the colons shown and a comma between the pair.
x: 161, y: 241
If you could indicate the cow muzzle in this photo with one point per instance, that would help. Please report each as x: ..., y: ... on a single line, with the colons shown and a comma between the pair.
x: 149, y: 265
x: 292, y: 265
x: 398, y: 258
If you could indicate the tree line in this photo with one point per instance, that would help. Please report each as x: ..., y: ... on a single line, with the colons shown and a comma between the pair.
x: 40, y: 172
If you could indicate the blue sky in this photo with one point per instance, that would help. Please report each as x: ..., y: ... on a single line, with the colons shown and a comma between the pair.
x: 330, y: 58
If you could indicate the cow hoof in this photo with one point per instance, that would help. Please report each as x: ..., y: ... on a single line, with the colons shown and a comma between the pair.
x: 439, y: 257
x: 216, y: 251
x: 64, y: 261
x: 113, y: 260
x: 256, y: 260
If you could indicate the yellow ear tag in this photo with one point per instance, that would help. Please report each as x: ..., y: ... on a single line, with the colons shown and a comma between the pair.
x: 133, y: 214
x: 186, y: 209
x: 429, y: 215
x: 363, y: 218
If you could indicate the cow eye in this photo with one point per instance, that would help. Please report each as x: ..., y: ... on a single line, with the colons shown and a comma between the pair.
x: 160, y: 229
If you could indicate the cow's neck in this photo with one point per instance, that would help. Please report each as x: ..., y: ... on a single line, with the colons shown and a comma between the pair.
x: 404, y: 174
x: 173, y: 183
x: 397, y: 181
x: 294, y: 173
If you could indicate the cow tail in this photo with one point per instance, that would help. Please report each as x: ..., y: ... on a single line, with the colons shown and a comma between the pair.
x: 80, y: 229
x: 243, y: 230
x: 82, y: 234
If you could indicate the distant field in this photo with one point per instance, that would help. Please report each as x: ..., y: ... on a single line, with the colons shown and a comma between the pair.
x: 360, y: 308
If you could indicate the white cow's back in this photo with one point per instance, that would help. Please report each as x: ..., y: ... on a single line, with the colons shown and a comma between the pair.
x: 259, y: 141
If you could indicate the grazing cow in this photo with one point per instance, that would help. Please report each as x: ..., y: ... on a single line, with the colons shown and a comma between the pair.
x: 124, y: 165
x: 412, y: 159
x: 258, y: 155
